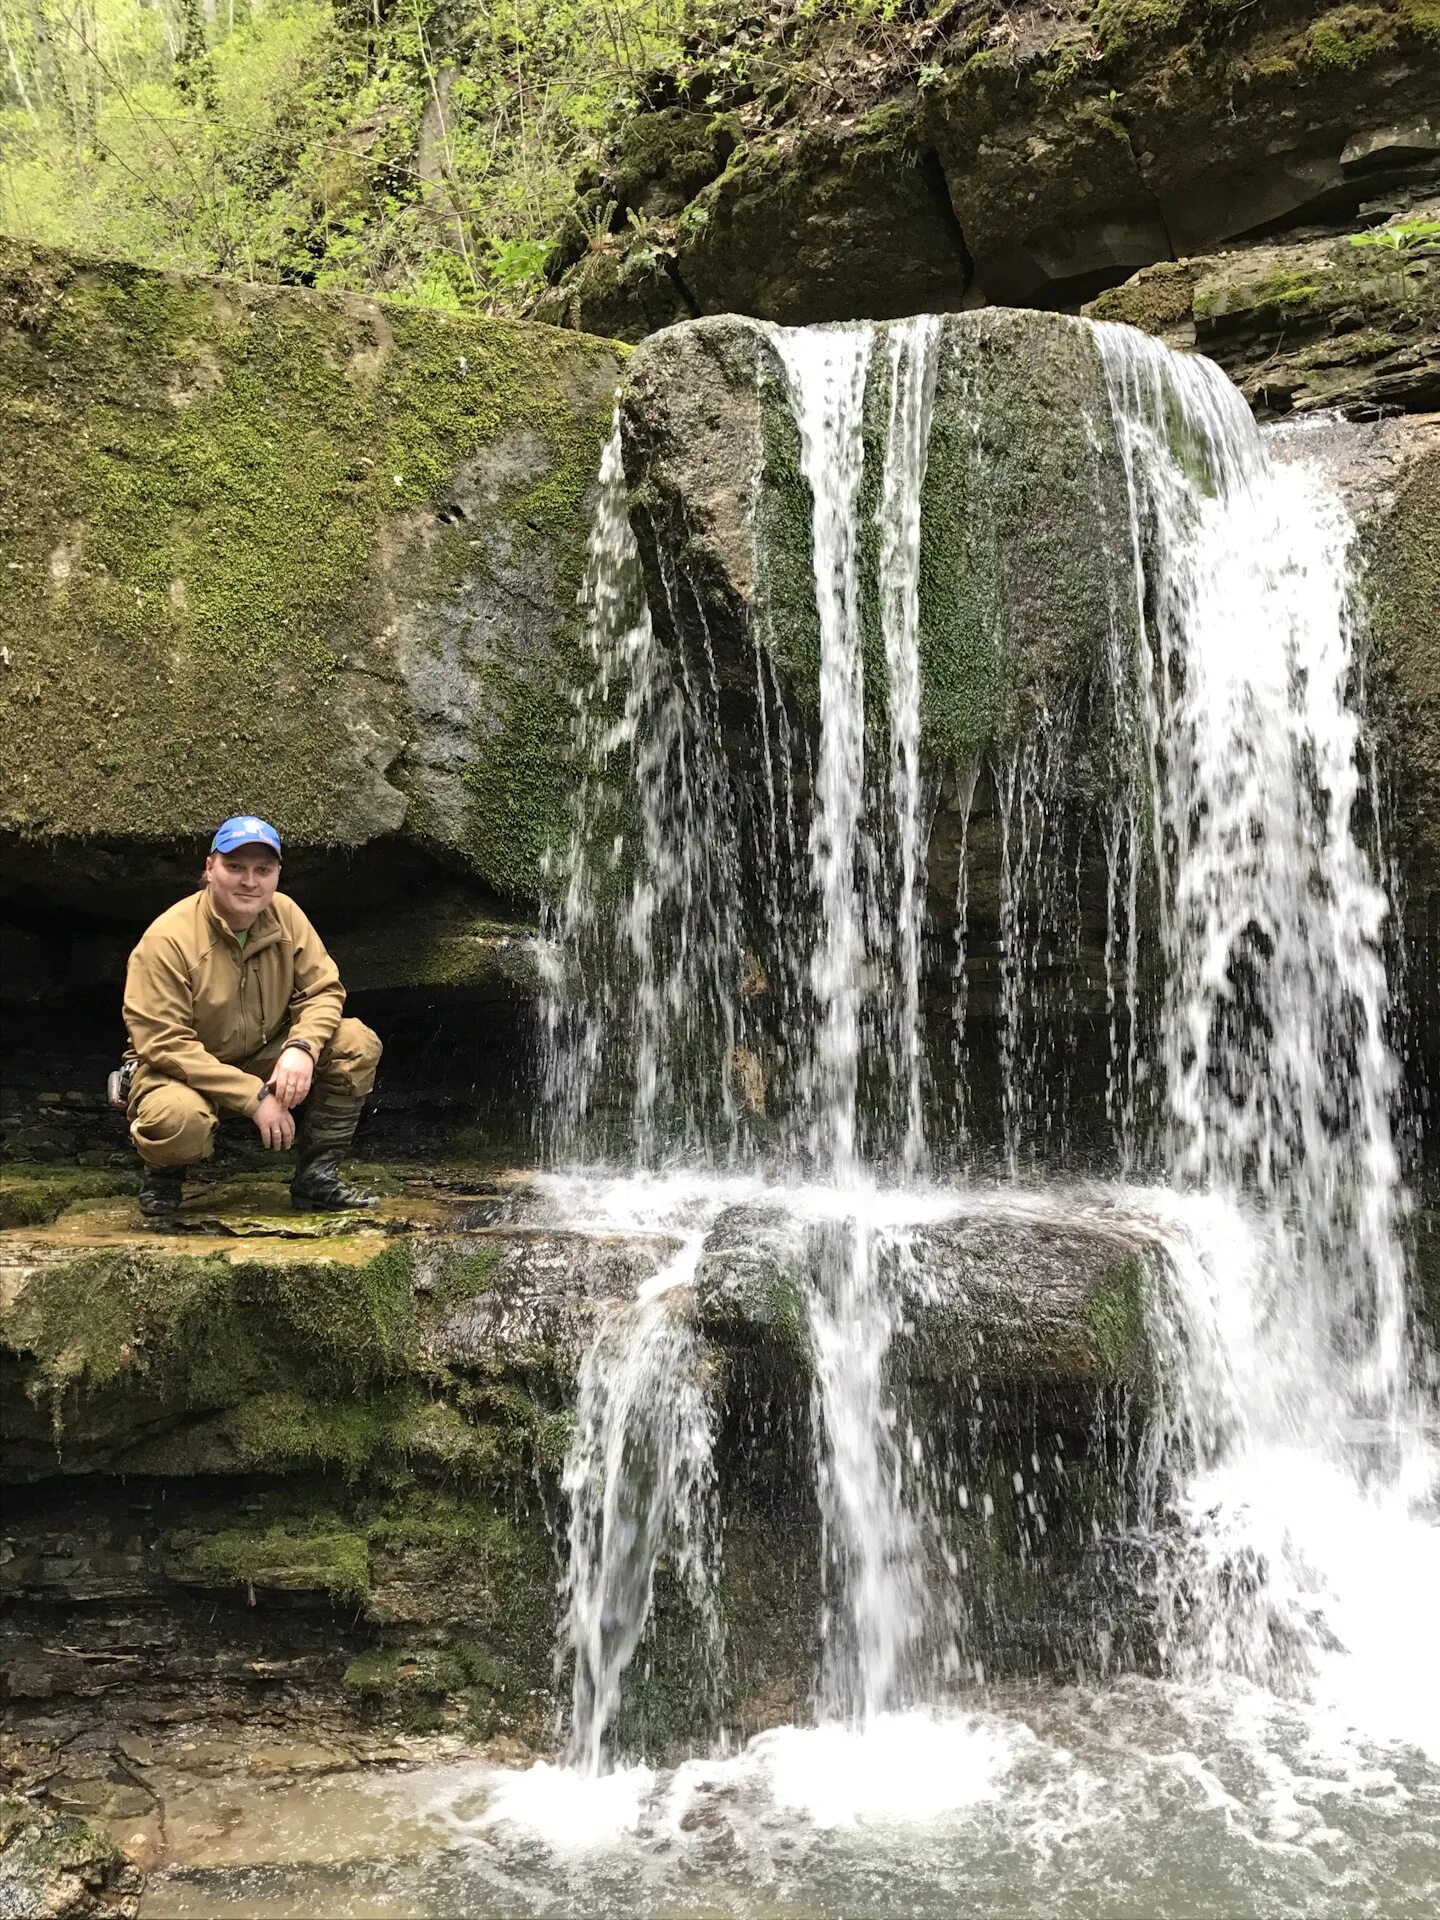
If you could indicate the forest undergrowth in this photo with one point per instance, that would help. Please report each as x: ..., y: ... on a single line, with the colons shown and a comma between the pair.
x: 426, y: 149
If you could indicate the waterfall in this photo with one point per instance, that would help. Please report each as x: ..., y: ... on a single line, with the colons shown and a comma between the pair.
x: 643, y: 933
x: 639, y: 1477
x: 827, y: 369
x: 1284, y: 1441
x: 875, y: 1610
x: 914, y: 350
x: 1291, y: 1419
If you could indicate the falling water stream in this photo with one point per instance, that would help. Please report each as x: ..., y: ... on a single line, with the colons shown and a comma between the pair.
x: 1280, y: 1753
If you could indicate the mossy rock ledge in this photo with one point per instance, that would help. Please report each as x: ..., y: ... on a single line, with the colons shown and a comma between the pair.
x: 1350, y: 322
x: 312, y: 556
x: 270, y: 1474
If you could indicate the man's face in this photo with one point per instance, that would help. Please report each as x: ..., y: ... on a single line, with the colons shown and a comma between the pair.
x: 242, y: 884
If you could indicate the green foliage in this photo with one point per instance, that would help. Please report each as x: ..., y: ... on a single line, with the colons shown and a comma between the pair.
x: 1400, y: 235
x: 411, y: 149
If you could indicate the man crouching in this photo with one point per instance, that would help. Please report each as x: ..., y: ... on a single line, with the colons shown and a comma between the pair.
x: 233, y: 1005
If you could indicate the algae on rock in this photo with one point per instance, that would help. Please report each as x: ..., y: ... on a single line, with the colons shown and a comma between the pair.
x: 1017, y: 597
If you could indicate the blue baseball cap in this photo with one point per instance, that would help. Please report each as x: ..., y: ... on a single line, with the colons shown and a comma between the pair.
x: 244, y: 830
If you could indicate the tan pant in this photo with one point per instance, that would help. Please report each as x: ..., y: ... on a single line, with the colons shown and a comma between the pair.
x: 172, y: 1125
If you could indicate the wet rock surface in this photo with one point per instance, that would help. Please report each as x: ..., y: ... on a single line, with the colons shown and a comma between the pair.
x: 989, y: 1301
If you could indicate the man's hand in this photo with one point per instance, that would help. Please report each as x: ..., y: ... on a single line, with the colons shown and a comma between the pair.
x: 275, y: 1125
x: 294, y: 1071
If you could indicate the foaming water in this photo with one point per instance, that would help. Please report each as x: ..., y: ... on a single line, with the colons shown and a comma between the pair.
x: 1142, y: 1799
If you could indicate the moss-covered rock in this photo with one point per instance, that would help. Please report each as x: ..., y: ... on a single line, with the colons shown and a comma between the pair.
x: 56, y: 1867
x: 1351, y: 322
x: 33, y: 1195
x: 1017, y: 599
x: 1023, y: 154
x: 311, y: 556
x: 829, y: 205
x: 146, y: 1360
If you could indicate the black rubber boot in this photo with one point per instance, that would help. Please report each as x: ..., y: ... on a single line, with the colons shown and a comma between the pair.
x: 322, y: 1140
x: 161, y: 1191
x: 319, y: 1186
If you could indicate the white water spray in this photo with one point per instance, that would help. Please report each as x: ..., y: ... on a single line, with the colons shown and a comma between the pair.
x: 640, y: 1481
x: 827, y: 369
x: 1292, y: 1429
x: 914, y: 352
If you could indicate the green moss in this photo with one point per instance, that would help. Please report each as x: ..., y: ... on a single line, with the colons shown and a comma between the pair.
x: 415, y: 1684
x: 176, y: 1330
x: 1156, y: 299
x: 1348, y: 349
x: 889, y: 130
x: 1349, y: 36
x: 1115, y: 1316
x: 32, y: 1195
x: 1284, y: 290
x: 791, y: 621
x: 303, y: 1553
x: 678, y: 149
x: 169, y: 1326
x: 74, y: 1846
x: 204, y: 476
x: 1122, y: 22
x: 279, y: 1431
x: 433, y: 1520
x: 393, y: 1673
x: 464, y: 1276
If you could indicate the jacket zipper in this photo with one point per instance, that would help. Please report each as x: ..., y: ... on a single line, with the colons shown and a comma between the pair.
x: 245, y: 974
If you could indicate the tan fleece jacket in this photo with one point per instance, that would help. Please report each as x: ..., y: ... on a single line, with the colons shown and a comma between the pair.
x: 196, y: 1004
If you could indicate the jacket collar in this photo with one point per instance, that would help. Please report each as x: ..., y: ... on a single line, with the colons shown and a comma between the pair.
x: 264, y: 933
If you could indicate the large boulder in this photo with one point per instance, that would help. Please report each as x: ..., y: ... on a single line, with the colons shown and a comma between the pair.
x: 312, y: 556
x: 1018, y: 600
x: 1016, y: 606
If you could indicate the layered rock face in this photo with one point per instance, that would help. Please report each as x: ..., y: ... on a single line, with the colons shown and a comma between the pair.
x: 1020, y: 156
x: 1351, y: 323
x: 302, y: 1477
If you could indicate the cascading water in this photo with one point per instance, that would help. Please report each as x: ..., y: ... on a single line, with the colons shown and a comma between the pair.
x: 1293, y: 1418
x: 640, y: 1482
x: 1287, y: 1473
x: 827, y: 383
x: 643, y: 921
x: 913, y: 354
